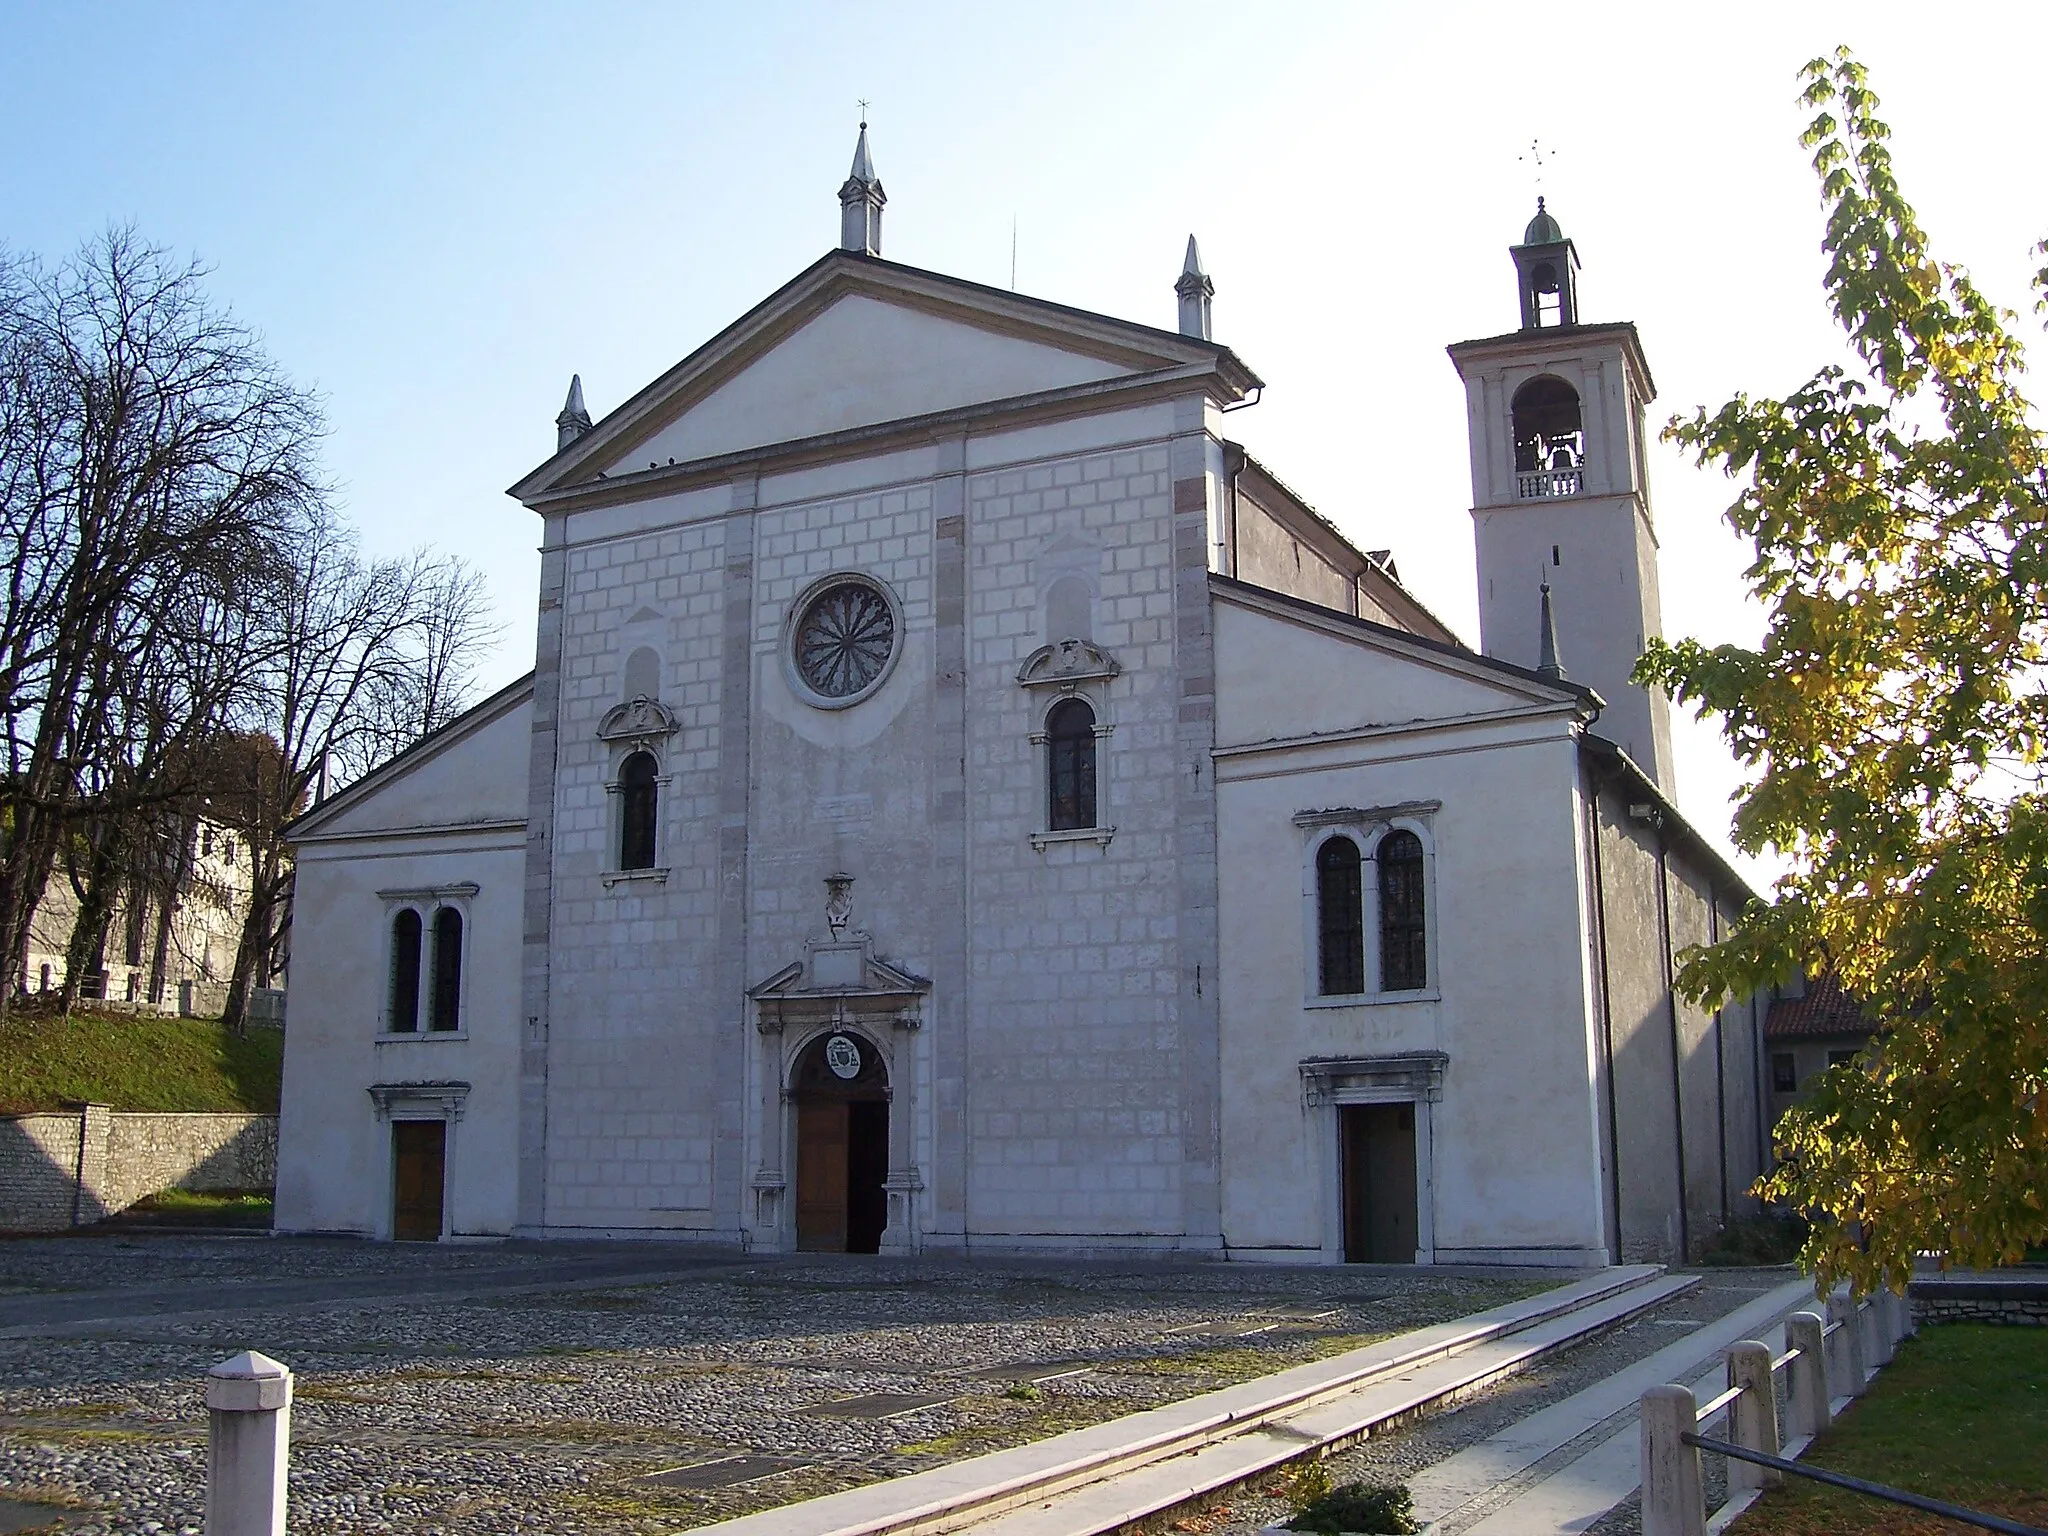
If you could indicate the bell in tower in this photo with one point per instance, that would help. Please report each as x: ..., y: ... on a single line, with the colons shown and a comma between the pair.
x: 1547, y: 266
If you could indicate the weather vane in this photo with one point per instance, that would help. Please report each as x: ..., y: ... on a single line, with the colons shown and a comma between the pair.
x: 1537, y: 156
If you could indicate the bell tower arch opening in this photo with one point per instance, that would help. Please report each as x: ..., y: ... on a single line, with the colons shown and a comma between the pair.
x: 839, y: 1088
x: 1550, y: 438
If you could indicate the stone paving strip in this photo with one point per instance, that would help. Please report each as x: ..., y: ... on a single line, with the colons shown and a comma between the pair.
x: 431, y: 1401
x: 1103, y: 1478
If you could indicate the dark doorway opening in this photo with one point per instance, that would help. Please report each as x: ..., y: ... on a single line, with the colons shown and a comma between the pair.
x: 419, y: 1153
x: 1377, y: 1143
x: 841, y: 1091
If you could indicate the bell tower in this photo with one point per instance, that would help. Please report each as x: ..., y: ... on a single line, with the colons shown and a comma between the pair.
x: 1560, y: 499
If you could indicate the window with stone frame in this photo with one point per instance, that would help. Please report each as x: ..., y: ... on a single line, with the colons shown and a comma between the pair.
x: 403, y: 1014
x: 1404, y: 935
x: 1070, y: 766
x: 445, y: 1009
x: 1340, y: 919
x: 638, y: 804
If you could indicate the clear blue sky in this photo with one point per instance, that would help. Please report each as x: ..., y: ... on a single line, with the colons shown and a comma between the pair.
x: 435, y: 213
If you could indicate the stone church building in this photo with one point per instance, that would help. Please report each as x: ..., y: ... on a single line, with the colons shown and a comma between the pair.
x: 963, y: 801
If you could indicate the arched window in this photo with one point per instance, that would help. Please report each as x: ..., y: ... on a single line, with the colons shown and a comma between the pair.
x: 405, y: 973
x: 636, y: 812
x: 447, y: 996
x: 1340, y: 919
x: 1404, y: 951
x: 1070, y: 765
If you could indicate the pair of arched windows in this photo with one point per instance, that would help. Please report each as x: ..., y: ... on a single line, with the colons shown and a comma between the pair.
x: 1070, y: 766
x: 416, y: 971
x: 639, y: 803
x: 1341, y: 914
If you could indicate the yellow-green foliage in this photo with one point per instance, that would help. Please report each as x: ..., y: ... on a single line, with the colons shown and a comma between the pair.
x: 136, y: 1063
x: 1893, y: 726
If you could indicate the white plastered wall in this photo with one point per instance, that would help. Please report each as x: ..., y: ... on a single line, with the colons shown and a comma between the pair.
x: 455, y: 819
x: 1512, y: 1166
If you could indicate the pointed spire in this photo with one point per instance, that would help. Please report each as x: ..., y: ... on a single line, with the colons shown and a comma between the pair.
x: 1195, y: 292
x: 574, y: 420
x: 1547, y: 663
x: 860, y: 202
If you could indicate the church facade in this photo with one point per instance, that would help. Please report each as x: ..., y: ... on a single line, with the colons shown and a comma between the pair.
x: 964, y: 801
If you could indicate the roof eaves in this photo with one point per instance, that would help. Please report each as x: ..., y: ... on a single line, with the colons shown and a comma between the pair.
x: 1640, y: 782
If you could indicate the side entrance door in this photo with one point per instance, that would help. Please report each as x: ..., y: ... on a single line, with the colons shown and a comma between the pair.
x: 1378, y: 1151
x: 419, y: 1153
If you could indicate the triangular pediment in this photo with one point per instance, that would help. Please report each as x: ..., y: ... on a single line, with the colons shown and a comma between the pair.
x: 469, y: 774
x: 857, y: 342
x: 1291, y: 670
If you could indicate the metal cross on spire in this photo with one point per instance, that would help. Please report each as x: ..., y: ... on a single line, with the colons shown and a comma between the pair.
x: 863, y: 110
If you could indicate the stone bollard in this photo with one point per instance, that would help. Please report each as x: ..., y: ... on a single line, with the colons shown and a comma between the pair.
x: 248, y: 1445
x: 1884, y: 1337
x: 1811, y: 1411
x: 1674, y: 1499
x: 1752, y: 1417
x: 1842, y: 1310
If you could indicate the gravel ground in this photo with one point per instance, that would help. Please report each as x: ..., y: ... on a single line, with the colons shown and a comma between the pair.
x: 1399, y: 1454
x: 511, y: 1413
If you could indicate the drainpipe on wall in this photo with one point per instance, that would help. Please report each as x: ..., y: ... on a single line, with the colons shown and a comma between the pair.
x: 1720, y: 1057
x: 1677, y: 1042
x: 1606, y: 1014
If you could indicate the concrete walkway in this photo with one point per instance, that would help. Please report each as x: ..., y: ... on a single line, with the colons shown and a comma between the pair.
x: 1107, y: 1477
x: 1564, y: 1467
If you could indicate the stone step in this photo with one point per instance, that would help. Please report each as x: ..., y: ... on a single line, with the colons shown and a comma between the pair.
x: 1094, y: 1479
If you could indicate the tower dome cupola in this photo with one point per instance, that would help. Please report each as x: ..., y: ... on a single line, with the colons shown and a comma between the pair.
x: 1547, y: 272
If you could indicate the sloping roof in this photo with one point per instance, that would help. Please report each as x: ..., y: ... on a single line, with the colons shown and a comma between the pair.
x: 1826, y: 1012
x: 1609, y: 755
x: 1464, y: 655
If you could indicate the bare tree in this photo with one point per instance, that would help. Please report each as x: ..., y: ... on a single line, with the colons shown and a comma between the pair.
x: 360, y: 658
x: 153, y: 463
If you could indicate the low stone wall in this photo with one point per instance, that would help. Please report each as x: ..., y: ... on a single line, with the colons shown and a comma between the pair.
x: 2020, y: 1299
x: 73, y: 1167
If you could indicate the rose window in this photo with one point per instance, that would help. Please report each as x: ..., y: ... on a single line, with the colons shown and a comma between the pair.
x: 844, y: 640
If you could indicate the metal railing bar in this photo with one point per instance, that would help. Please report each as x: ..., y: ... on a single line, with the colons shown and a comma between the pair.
x: 1874, y: 1490
x: 1784, y: 1360
x: 1714, y: 1405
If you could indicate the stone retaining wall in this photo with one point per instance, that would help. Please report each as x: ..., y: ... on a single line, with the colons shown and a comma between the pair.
x: 72, y: 1167
x: 2016, y: 1299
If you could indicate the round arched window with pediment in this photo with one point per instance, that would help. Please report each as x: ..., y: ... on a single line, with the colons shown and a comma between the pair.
x: 843, y: 641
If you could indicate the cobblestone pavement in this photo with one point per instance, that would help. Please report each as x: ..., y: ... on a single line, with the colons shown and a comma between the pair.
x: 1399, y: 1454
x: 432, y: 1401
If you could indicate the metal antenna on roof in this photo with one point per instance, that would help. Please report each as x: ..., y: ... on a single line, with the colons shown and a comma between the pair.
x: 1013, y: 253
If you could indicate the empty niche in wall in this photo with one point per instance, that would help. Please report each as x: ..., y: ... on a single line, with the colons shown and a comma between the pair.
x: 1069, y: 580
x: 643, y: 674
x: 1069, y: 610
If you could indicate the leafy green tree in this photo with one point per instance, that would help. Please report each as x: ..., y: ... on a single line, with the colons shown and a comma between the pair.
x: 1891, y: 726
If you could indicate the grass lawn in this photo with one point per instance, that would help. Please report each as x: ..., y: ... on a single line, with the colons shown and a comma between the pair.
x: 133, y: 1062
x: 1960, y: 1415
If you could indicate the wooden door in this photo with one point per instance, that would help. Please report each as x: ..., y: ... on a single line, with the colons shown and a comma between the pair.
x: 1377, y: 1158
x: 821, y: 1175
x: 420, y: 1153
